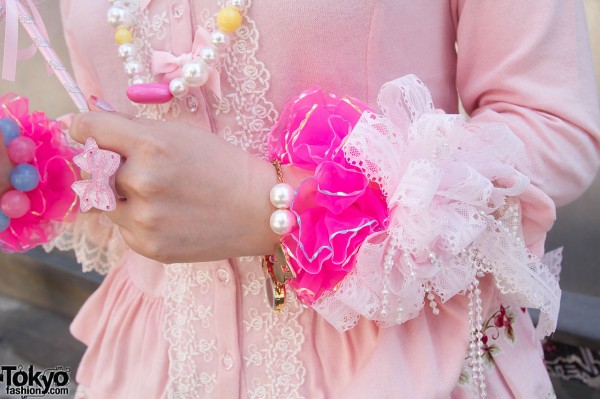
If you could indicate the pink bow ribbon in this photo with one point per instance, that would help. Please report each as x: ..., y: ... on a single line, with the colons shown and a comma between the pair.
x: 101, y: 164
x: 15, y: 13
x: 169, y: 65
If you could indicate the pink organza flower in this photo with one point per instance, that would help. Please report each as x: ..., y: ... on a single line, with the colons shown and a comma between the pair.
x: 52, y: 201
x: 338, y: 208
x: 312, y: 127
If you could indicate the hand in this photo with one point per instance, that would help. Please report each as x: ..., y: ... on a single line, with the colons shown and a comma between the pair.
x: 190, y: 195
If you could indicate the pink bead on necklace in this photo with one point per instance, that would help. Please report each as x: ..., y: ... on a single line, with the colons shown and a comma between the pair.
x: 192, y: 70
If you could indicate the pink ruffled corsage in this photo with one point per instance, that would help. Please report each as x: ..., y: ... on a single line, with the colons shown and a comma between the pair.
x: 337, y: 208
x: 406, y: 207
x: 52, y: 201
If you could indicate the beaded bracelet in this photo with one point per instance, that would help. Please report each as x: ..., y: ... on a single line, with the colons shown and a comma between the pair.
x: 282, y: 220
x: 276, y: 267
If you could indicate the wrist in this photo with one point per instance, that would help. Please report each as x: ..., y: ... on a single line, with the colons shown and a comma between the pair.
x: 256, y: 236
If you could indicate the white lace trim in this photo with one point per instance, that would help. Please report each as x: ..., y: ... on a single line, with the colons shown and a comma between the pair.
x: 250, y: 81
x: 282, y: 339
x: 184, y: 324
x: 274, y: 340
x: 450, y: 219
x: 96, y: 241
x: 149, y: 28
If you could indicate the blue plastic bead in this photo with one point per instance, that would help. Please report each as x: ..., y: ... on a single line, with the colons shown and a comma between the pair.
x: 10, y: 129
x: 4, y: 222
x: 24, y: 177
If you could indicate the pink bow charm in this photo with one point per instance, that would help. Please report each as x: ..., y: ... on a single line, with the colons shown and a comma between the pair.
x: 169, y: 66
x: 101, y: 164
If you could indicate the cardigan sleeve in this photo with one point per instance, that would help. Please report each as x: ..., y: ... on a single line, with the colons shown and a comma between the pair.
x: 528, y: 64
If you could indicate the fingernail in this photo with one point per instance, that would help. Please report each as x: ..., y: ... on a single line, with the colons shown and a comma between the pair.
x: 100, y: 103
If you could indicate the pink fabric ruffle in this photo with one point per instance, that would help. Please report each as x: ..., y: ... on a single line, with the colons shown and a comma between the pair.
x: 311, y: 128
x: 53, y: 203
x: 337, y: 208
x: 127, y: 355
x: 454, y: 194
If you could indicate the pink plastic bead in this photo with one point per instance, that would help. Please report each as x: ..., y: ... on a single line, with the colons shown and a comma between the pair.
x: 21, y: 150
x: 15, y: 204
x: 149, y: 93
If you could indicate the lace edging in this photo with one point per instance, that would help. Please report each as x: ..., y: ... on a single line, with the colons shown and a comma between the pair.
x: 250, y: 80
x: 95, y: 240
x: 282, y: 341
x: 180, y: 331
x: 455, y: 214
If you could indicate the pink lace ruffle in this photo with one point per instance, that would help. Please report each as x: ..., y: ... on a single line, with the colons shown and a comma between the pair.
x: 453, y: 192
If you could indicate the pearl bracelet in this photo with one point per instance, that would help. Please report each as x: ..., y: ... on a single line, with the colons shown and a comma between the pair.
x: 276, y: 267
x: 282, y: 220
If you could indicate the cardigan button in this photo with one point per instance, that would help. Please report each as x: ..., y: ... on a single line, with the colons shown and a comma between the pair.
x: 223, y: 276
x: 177, y: 10
x: 227, y: 361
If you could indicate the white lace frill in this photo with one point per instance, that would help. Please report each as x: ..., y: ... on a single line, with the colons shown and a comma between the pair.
x: 95, y: 239
x: 455, y: 214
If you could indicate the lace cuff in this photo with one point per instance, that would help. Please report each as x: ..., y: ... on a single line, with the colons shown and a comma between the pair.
x: 95, y: 239
x: 453, y: 192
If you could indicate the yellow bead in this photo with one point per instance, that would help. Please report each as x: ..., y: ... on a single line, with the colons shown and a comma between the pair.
x: 229, y: 19
x: 123, y: 35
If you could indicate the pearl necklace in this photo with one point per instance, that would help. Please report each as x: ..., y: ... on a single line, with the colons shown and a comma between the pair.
x: 194, y: 73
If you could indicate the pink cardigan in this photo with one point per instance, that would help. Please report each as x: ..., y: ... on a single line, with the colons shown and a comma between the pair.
x: 526, y: 64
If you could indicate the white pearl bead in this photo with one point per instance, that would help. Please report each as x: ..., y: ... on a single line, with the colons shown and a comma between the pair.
x: 219, y: 40
x: 118, y: 17
x: 133, y: 68
x: 282, y: 221
x: 281, y: 195
x: 194, y: 74
x: 138, y: 80
x: 240, y: 4
x: 126, y: 51
x: 178, y: 87
x: 208, y: 56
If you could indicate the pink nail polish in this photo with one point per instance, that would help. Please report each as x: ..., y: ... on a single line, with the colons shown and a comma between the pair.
x: 149, y: 93
x: 100, y: 103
